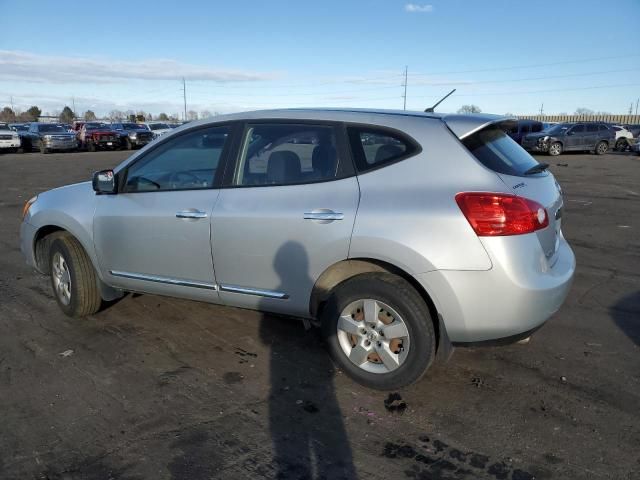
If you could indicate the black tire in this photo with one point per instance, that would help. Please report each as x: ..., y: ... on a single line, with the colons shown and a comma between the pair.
x: 84, y: 294
x: 555, y: 149
x: 405, y: 300
x: 601, y: 148
x: 621, y: 145
x: 26, y: 146
x: 127, y: 144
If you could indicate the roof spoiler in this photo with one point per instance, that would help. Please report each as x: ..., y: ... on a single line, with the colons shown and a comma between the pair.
x: 468, y: 124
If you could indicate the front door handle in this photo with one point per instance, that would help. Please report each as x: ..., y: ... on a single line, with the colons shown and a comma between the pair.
x: 323, y: 215
x: 191, y: 213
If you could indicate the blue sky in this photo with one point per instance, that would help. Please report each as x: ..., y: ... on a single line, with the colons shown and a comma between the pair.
x: 504, y: 56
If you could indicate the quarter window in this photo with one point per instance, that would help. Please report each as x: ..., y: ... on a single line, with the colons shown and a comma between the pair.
x: 592, y: 127
x: 374, y: 148
x: 187, y: 162
x: 279, y: 154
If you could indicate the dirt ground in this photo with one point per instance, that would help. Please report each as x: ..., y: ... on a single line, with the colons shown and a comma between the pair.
x: 160, y: 388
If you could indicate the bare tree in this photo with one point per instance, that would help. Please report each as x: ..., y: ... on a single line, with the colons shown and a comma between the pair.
x: 192, y: 115
x: 583, y: 111
x: 205, y: 114
x: 7, y: 115
x: 116, y: 115
x: 469, y: 109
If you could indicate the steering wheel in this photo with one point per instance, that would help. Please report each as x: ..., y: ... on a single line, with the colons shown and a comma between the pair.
x: 176, y: 181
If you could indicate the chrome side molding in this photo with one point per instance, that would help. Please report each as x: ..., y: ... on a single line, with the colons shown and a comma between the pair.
x: 253, y: 291
x: 167, y: 280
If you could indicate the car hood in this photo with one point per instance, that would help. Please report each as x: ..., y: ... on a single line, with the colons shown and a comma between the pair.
x: 533, y: 136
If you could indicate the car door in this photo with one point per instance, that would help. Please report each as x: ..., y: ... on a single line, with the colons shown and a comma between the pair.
x: 575, y: 138
x: 154, y: 234
x: 591, y: 136
x: 285, y: 215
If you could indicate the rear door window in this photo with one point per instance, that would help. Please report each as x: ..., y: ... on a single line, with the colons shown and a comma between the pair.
x: 499, y: 152
x: 592, y: 127
x: 374, y: 148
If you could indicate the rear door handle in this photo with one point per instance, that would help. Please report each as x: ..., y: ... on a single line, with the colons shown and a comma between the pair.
x: 323, y: 215
x: 191, y: 213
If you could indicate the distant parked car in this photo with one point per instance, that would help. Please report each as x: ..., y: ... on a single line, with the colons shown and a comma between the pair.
x: 9, y: 139
x: 582, y: 136
x: 158, y: 128
x: 522, y: 128
x: 22, y: 129
x: 133, y: 134
x: 48, y: 137
x: 99, y: 136
x: 622, y: 137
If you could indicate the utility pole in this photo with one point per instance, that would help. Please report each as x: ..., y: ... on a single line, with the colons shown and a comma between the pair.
x: 73, y: 102
x: 404, y: 96
x: 184, y: 95
x: 637, y: 101
x: 542, y: 109
x: 12, y: 109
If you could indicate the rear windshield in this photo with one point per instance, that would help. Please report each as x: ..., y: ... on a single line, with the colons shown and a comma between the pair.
x: 498, y: 152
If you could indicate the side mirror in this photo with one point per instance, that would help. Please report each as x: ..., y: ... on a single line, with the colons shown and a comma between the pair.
x: 104, y: 182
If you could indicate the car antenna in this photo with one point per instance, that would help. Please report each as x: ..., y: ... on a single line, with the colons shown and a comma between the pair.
x: 432, y: 109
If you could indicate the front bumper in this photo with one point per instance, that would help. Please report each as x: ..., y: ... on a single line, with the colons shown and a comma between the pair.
x: 13, y: 143
x: 520, y: 292
x: 138, y: 142
x: 60, y: 144
x: 27, y: 236
x: 536, y: 147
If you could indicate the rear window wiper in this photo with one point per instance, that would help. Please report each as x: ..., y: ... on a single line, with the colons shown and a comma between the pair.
x: 541, y: 167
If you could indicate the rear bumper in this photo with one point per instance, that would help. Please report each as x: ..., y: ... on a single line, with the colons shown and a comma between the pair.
x: 516, y: 296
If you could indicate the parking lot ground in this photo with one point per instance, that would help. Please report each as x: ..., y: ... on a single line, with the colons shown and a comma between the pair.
x: 160, y: 388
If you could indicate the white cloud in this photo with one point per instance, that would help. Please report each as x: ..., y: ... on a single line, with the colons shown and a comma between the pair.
x: 418, y: 8
x: 24, y: 66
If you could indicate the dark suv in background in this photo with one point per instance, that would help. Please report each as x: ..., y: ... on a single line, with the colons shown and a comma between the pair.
x: 133, y: 134
x: 580, y: 136
x: 523, y: 128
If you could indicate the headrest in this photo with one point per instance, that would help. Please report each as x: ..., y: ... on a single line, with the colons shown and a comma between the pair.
x: 283, y: 167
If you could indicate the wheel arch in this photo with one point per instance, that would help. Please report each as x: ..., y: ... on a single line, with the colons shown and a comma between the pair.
x: 345, y: 269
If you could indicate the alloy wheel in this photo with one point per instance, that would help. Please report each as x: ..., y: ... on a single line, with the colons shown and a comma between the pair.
x: 373, y: 336
x: 61, y: 278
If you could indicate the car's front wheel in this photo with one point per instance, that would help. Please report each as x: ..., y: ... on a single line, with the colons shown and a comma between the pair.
x: 379, y: 331
x: 555, y: 149
x: 621, y: 145
x: 73, y: 278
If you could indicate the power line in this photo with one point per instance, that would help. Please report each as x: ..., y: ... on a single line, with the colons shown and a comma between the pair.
x: 184, y: 94
x: 541, y: 91
x: 515, y: 67
x: 404, y: 96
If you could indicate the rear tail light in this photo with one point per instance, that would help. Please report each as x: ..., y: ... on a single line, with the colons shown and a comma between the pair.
x: 498, y: 214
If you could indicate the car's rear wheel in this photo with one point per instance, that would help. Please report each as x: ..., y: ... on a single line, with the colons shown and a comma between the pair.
x: 601, y: 148
x: 73, y: 278
x: 379, y: 331
x: 555, y: 149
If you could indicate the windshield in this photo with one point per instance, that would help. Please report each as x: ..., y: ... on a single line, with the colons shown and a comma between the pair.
x: 52, y: 128
x: 556, y: 129
x: 499, y: 152
x: 95, y: 126
x: 158, y: 126
x: 133, y: 126
x: 20, y: 128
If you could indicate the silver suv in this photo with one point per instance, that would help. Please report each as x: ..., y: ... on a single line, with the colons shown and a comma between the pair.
x: 401, y: 233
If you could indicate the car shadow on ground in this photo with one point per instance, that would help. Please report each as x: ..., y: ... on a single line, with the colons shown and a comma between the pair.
x: 306, y: 424
x: 626, y: 315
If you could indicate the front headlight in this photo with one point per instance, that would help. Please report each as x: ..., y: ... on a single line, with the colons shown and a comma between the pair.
x: 27, y: 206
x: 133, y: 135
x: 47, y: 137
